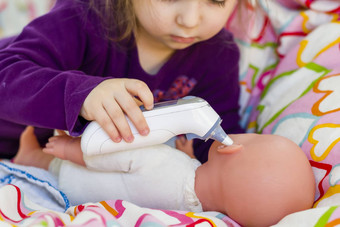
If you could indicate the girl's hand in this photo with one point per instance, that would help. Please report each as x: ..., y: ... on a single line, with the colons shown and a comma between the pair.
x: 185, y: 145
x: 110, y: 100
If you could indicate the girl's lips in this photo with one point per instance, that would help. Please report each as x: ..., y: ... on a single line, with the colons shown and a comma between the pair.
x: 180, y: 39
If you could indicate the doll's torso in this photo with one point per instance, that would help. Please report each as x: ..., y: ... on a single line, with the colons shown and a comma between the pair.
x: 158, y: 177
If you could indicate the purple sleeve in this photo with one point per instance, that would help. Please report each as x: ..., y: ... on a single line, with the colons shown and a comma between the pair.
x: 41, y: 81
x: 221, y: 90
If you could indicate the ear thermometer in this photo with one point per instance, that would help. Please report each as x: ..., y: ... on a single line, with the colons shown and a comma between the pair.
x: 190, y: 115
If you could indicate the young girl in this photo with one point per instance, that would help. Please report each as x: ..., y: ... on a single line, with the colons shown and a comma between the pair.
x: 90, y: 59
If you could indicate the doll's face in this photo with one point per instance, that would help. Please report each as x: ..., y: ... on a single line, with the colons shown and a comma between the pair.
x: 266, y: 176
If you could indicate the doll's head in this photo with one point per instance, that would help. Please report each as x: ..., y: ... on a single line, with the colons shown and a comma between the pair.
x: 258, y: 182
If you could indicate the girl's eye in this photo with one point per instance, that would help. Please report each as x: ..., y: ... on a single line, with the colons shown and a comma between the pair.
x: 219, y: 2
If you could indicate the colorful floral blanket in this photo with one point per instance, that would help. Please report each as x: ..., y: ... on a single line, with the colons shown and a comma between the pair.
x: 18, y: 210
x: 290, y: 79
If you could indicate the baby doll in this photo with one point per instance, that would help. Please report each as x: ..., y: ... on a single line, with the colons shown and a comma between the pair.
x: 256, y: 182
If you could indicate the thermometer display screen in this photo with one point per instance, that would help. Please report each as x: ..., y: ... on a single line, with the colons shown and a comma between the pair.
x: 166, y: 103
x: 182, y: 101
x: 161, y: 104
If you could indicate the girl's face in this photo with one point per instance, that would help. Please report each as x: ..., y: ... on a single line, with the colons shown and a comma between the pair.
x: 177, y: 24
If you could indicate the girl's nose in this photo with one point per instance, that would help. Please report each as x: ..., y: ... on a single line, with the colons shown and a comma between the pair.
x: 189, y: 16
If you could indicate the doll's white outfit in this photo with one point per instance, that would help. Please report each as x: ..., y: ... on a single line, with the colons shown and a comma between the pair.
x: 158, y: 177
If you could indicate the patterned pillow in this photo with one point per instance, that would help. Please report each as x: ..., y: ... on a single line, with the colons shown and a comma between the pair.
x: 290, y: 79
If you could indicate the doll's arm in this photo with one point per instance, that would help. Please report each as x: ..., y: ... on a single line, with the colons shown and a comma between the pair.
x: 121, y: 161
x: 130, y: 161
x: 68, y: 148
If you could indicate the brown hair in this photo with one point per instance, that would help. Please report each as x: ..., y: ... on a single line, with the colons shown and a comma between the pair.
x: 117, y: 17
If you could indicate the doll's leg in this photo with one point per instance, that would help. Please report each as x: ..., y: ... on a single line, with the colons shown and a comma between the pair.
x: 30, y: 153
x: 65, y: 147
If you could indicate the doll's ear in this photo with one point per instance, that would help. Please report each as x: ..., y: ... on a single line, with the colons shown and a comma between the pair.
x: 224, y: 149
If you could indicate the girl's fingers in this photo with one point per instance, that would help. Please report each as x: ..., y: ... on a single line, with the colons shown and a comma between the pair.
x: 137, y: 101
x: 132, y: 110
x: 108, y: 102
x: 119, y: 120
x: 141, y: 90
x: 107, y: 124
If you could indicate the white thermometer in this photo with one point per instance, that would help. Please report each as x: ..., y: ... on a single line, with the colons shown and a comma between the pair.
x: 190, y: 115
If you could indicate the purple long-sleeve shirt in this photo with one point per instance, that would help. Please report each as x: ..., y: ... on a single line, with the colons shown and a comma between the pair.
x: 47, y: 71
